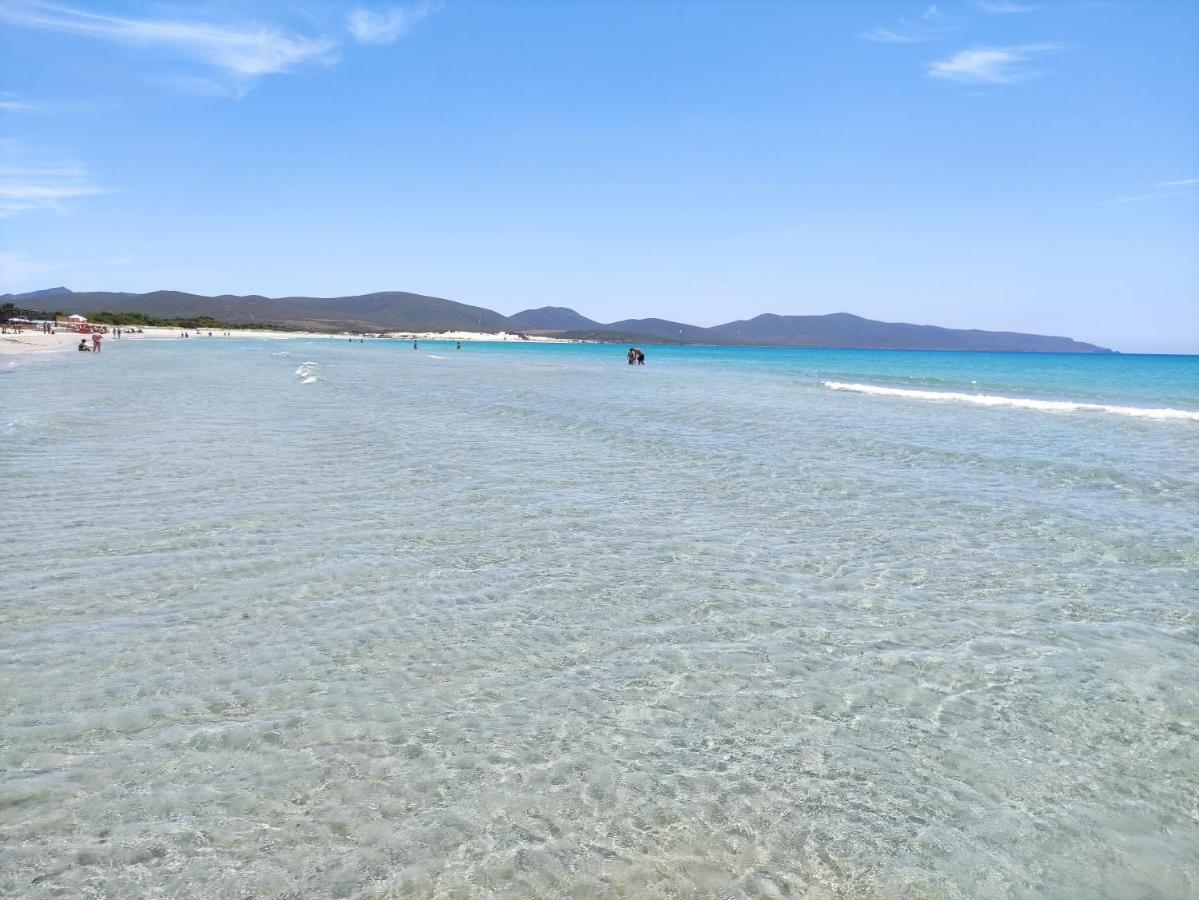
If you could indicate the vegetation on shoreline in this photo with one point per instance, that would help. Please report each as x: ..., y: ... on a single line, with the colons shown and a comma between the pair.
x: 142, y: 320
x: 194, y: 323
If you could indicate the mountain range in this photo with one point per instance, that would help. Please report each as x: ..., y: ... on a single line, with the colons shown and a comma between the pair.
x: 401, y: 311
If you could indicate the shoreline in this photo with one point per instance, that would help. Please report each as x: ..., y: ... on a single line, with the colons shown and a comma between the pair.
x: 37, y: 343
x: 31, y: 342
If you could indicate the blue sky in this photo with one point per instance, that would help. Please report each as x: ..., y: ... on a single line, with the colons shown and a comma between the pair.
x: 1007, y: 164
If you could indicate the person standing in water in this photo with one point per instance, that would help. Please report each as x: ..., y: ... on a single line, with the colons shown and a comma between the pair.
x: 96, y: 341
x: 414, y: 345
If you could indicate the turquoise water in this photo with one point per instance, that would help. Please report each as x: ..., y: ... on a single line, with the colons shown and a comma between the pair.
x: 287, y: 619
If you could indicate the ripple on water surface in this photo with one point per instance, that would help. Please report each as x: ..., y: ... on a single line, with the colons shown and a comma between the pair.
x: 536, y: 624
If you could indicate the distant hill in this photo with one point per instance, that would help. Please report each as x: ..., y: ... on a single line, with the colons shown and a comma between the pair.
x: 46, y: 292
x: 384, y: 311
x: 841, y: 330
x: 846, y: 330
x: 552, y: 318
x: 663, y: 328
x: 400, y: 311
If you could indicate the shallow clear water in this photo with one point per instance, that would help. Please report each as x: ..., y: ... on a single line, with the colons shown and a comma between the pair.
x: 285, y: 619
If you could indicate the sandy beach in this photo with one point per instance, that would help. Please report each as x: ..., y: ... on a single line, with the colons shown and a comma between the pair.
x: 62, y: 341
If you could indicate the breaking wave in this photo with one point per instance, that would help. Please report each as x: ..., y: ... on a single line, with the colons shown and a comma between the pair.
x: 1060, y: 406
x: 307, y: 372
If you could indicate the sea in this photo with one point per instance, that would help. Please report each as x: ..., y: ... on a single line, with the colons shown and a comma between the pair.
x: 321, y: 618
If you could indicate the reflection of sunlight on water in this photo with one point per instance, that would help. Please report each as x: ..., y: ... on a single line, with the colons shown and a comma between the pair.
x: 438, y: 631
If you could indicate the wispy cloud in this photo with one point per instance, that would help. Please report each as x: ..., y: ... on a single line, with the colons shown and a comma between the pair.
x: 8, y: 104
x: 242, y: 52
x: 1165, y: 190
x: 27, y: 188
x: 384, y: 26
x: 990, y: 65
x: 931, y: 25
x: 896, y: 36
x: 1001, y: 7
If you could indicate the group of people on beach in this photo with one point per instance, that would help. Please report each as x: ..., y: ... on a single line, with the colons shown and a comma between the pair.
x: 97, y: 337
x: 16, y: 327
x: 636, y: 357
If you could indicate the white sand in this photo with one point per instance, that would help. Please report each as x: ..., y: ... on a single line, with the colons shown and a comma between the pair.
x: 63, y: 340
x: 36, y: 342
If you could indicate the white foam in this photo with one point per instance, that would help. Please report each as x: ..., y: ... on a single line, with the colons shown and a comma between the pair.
x: 1059, y: 406
x: 431, y: 356
x: 309, y: 380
